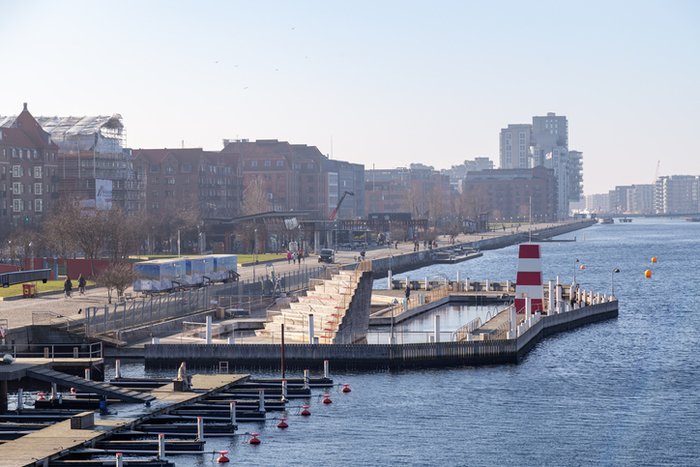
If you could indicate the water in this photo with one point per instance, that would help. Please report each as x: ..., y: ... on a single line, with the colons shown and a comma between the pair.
x: 621, y: 392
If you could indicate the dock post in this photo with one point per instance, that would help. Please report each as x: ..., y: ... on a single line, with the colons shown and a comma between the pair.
x: 117, y: 369
x: 558, y: 296
x: 20, y: 399
x: 88, y: 376
x: 436, y: 328
x: 200, y: 428
x: 284, y: 390
x: 261, y: 400
x: 161, y: 443
x: 306, y: 379
x: 208, y: 330
x: 326, y: 369
x: 425, y: 283
x: 550, y: 303
x: 486, y: 288
x: 232, y: 413
x: 118, y: 459
x: 459, y: 281
x: 528, y: 308
x: 389, y: 280
x: 53, y: 391
x: 311, y: 328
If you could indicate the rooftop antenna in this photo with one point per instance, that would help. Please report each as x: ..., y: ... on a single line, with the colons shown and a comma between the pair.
x: 331, y: 147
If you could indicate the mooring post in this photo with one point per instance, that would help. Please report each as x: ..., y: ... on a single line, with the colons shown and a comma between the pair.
x: 550, y: 303
x: 528, y: 309
x: 513, y: 322
x: 389, y: 279
x: 208, y: 330
x: 282, y: 353
x: 261, y: 400
x: 200, y: 428
x: 117, y: 369
x: 232, y: 413
x: 20, y: 399
x: 284, y: 390
x: 311, y: 328
x: 53, y: 391
x: 87, y: 374
x: 306, y: 379
x: 326, y: 369
x: 161, y: 444
x: 557, y: 303
x: 436, y: 328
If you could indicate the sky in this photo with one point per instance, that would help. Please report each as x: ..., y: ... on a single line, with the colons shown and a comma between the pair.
x: 382, y: 83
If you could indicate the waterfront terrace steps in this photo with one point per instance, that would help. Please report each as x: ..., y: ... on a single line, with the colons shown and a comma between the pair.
x: 327, y: 301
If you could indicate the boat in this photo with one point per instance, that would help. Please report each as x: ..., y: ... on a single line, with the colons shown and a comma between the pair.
x: 452, y: 256
x: 693, y: 219
x: 625, y: 220
x: 605, y: 220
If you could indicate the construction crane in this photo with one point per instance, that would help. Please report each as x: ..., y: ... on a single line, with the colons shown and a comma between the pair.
x: 657, y: 172
x: 334, y: 212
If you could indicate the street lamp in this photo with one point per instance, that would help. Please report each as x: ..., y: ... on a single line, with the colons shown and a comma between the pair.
x: 612, y: 282
x: 575, y: 268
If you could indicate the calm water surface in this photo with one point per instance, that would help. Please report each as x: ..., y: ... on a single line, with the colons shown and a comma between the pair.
x: 622, y: 392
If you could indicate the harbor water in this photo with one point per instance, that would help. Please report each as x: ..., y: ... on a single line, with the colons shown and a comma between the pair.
x: 620, y: 392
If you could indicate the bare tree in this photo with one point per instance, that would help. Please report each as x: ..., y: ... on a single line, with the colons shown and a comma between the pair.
x: 255, y: 199
x: 116, y: 277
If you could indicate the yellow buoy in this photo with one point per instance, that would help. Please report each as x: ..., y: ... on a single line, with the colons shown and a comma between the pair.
x: 647, y: 273
x: 653, y: 259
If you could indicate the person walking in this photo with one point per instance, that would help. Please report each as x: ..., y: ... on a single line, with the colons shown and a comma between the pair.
x: 67, y: 286
x: 408, y: 290
x: 81, y: 284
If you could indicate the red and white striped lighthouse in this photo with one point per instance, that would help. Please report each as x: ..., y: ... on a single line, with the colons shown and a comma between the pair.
x: 529, y: 280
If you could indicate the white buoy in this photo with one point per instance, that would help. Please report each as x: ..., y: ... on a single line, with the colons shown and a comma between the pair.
x: 311, y: 328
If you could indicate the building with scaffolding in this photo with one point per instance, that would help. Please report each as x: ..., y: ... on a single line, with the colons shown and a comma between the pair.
x: 94, y: 165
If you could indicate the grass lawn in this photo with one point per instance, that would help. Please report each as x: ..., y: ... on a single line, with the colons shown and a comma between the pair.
x: 50, y: 286
x: 242, y: 259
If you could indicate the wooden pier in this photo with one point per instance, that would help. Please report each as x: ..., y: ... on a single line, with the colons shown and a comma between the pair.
x: 40, y: 447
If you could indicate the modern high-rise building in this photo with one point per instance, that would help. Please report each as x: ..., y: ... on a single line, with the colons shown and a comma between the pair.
x: 548, y: 133
x: 515, y: 141
x: 677, y: 194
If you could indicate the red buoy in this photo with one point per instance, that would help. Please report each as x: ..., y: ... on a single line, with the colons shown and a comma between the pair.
x: 254, y: 439
x: 327, y: 399
x: 346, y: 388
x: 283, y: 423
x: 305, y: 411
x: 222, y: 459
x: 40, y: 396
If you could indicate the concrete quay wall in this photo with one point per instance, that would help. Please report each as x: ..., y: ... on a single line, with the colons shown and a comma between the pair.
x: 376, y: 356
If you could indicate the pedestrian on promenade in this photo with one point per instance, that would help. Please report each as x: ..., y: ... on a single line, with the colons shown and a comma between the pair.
x: 289, y: 256
x: 67, y: 286
x: 408, y: 290
x: 81, y: 284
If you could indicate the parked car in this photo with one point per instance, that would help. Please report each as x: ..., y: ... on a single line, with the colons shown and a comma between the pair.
x: 326, y: 255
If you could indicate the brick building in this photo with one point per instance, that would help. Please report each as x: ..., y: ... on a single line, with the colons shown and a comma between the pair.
x: 28, y: 171
x: 506, y: 193
x: 297, y: 177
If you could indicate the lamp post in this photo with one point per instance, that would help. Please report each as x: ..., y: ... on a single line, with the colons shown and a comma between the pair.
x: 612, y: 281
x: 575, y: 268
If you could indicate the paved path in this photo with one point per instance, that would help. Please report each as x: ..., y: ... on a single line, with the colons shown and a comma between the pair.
x: 19, y: 312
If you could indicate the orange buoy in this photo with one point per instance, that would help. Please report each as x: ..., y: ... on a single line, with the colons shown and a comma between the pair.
x: 327, y: 399
x: 222, y: 459
x: 582, y: 267
x: 254, y: 439
x: 653, y: 259
x: 305, y: 411
x: 647, y: 273
x: 346, y: 388
x: 283, y: 423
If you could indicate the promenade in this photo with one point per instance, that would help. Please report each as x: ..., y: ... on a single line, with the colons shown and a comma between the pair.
x: 20, y: 312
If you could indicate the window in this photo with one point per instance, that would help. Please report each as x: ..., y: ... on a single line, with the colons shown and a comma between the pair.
x: 279, y: 163
x: 38, y: 189
x: 155, y: 168
x: 35, y: 154
x: 38, y: 205
x: 17, y: 205
x: 253, y: 163
x: 268, y: 163
x: 14, y: 153
x: 170, y: 181
x: 186, y: 168
x: 17, y: 171
x: 16, y: 188
x: 37, y: 172
x: 169, y: 169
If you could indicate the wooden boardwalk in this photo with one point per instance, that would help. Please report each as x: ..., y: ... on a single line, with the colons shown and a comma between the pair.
x: 49, y: 443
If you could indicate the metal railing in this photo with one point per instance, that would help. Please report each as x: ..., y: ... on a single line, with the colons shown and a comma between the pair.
x: 54, y: 351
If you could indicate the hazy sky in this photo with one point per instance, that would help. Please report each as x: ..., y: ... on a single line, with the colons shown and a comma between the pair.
x: 383, y: 83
